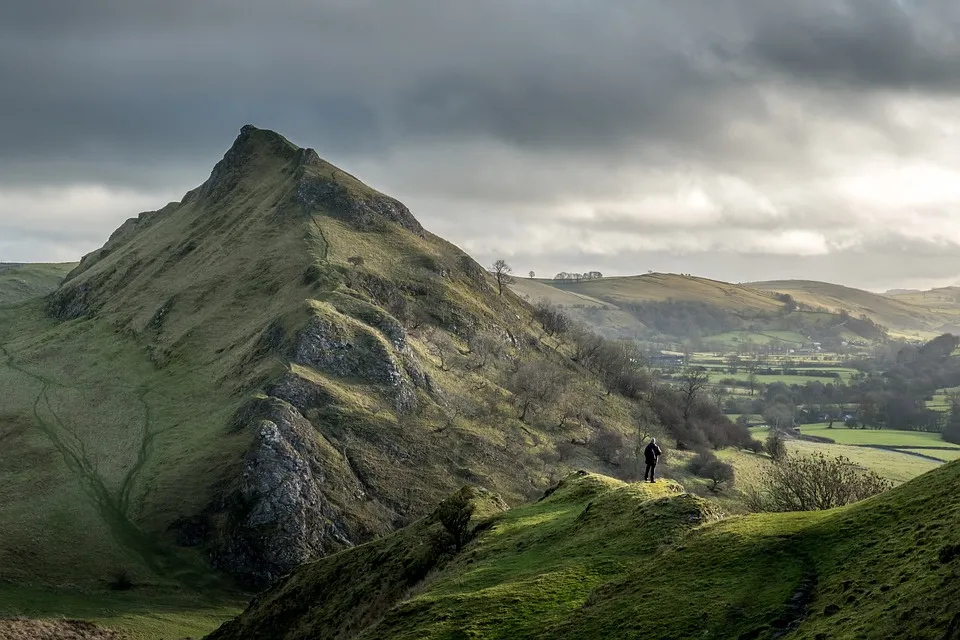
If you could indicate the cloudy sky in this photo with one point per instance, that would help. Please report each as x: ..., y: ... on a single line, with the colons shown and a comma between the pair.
x: 735, y: 139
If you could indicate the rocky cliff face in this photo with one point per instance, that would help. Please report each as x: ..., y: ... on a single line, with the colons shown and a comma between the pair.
x: 281, y: 514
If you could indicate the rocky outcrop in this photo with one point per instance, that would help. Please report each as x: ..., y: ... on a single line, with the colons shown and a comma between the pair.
x: 303, y: 394
x: 240, y: 161
x: 336, y: 347
x: 373, y: 316
x: 363, y: 211
x: 70, y: 302
x: 348, y: 348
x: 279, y: 515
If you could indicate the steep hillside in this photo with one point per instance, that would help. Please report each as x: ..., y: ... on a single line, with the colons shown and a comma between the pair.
x: 282, y: 365
x: 599, y: 559
x: 22, y: 282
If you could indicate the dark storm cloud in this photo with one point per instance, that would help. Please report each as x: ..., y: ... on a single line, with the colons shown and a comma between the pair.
x: 117, y: 82
x: 891, y: 45
x: 591, y: 121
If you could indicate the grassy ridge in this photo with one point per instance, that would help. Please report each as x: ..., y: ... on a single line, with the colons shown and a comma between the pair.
x: 601, y: 559
x: 659, y: 287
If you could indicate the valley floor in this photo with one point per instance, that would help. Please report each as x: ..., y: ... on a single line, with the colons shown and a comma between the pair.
x: 138, y: 614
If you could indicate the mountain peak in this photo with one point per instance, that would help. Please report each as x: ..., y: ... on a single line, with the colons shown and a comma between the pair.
x: 255, y: 152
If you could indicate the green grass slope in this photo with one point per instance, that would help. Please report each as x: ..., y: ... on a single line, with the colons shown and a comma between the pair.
x: 600, y: 559
x: 22, y: 282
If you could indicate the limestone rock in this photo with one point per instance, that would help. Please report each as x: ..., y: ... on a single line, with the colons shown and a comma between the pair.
x: 339, y: 349
x: 278, y: 516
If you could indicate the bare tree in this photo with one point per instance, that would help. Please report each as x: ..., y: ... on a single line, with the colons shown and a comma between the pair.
x: 535, y: 385
x: 719, y: 472
x: 610, y: 446
x: 551, y: 317
x: 484, y: 347
x: 442, y: 346
x: 692, y: 384
x: 532, y: 275
x: 572, y: 408
x: 707, y: 465
x: 620, y: 365
x: 501, y: 271
x: 457, y: 406
x: 719, y: 394
x: 752, y: 376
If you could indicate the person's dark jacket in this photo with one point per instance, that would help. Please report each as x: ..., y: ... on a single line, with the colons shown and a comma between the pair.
x: 651, y: 453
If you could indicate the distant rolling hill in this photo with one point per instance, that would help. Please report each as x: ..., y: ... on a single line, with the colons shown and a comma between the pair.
x: 606, y: 317
x: 659, y: 287
x: 22, y: 282
x: 893, y: 312
x: 941, y: 299
x: 623, y: 305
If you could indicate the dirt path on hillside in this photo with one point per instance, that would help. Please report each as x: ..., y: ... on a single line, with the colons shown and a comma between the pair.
x: 114, y: 507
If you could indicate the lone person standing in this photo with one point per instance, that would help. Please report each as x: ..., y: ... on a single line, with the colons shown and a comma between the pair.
x: 651, y: 454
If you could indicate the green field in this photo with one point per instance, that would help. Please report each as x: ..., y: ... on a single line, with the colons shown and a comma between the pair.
x: 717, y: 375
x: 897, y: 464
x: 941, y: 399
x: 893, y: 465
x: 758, y: 338
x: 947, y: 455
x: 881, y: 437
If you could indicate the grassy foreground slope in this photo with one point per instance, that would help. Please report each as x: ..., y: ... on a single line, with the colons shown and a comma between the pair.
x: 22, y: 282
x: 600, y: 559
